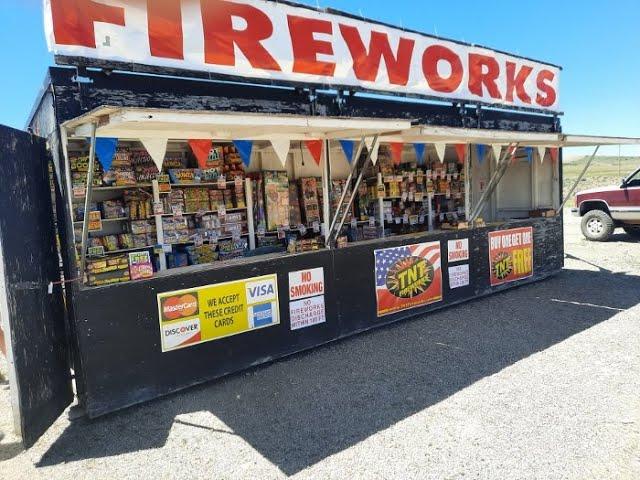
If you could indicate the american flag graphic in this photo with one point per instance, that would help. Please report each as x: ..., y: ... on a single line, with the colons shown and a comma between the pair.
x: 399, y: 259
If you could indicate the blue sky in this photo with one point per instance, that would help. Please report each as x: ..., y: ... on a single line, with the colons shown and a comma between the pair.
x: 596, y: 42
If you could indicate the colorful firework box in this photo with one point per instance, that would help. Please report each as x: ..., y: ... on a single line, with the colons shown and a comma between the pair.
x: 276, y: 193
x: 310, y: 200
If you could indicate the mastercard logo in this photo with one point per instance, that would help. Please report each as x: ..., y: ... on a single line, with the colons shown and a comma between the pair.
x: 179, y: 307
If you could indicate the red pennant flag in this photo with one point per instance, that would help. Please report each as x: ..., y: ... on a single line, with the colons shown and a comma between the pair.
x: 201, y: 150
x: 554, y: 154
x: 461, y: 151
x: 396, y: 152
x: 315, y: 148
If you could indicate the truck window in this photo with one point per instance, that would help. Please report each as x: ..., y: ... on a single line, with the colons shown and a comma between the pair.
x: 634, y: 180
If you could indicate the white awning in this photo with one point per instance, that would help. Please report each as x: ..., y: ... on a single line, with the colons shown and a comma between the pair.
x: 133, y: 123
x: 434, y: 134
x: 592, y: 141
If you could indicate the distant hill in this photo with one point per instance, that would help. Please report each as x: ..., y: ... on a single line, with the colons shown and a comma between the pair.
x: 605, y: 170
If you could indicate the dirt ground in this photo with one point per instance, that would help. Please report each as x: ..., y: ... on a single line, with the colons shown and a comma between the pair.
x: 541, y: 382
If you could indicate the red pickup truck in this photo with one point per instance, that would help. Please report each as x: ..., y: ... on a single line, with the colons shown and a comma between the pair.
x: 604, y: 209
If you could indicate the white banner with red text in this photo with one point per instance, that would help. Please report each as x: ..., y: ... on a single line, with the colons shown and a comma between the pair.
x: 258, y: 39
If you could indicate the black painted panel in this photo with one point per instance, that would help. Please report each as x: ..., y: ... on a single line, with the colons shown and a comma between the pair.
x: 119, y: 333
x: 119, y: 89
x: 355, y: 270
x: 30, y: 262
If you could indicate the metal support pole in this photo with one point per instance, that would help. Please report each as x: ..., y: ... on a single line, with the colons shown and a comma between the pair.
x: 87, y: 200
x: 357, y: 185
x: 326, y: 196
x: 501, y: 168
x: 67, y: 172
x: 380, y: 204
x: 557, y: 181
x: 577, y: 182
x: 347, y: 185
x: 430, y: 212
x: 533, y: 169
x: 248, y: 192
x: 467, y: 183
x: 162, y: 257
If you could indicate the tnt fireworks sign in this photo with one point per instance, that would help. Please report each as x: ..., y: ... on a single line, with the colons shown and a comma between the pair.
x: 277, y: 41
x: 408, y: 277
x: 510, y: 255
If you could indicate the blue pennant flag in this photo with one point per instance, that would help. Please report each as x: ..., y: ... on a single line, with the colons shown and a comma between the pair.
x: 244, y: 147
x: 529, y: 152
x: 347, y: 148
x: 481, y: 150
x: 105, y: 151
x: 419, y: 148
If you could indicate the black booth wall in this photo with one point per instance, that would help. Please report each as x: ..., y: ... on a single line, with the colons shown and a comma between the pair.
x: 113, y: 331
x: 118, y: 326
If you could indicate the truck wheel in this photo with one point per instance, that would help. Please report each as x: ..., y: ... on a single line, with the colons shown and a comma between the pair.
x: 633, y: 232
x: 597, y: 225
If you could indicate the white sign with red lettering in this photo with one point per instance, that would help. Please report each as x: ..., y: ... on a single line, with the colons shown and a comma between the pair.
x: 276, y: 41
x: 306, y: 292
x: 458, y: 250
x: 306, y: 283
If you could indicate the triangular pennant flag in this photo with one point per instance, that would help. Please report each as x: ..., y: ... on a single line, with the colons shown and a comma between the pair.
x: 244, y: 147
x: 554, y: 153
x: 481, y: 150
x: 315, y: 148
x: 419, y: 148
x: 441, y: 148
x: 105, y: 151
x: 347, y: 148
x: 374, y: 152
x: 201, y: 150
x: 396, y: 152
x: 157, y: 149
x: 541, y: 153
x: 461, y: 151
x: 281, y: 146
x: 529, y: 152
x: 497, y: 150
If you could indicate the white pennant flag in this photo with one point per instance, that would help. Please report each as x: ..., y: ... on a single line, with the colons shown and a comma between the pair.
x: 441, y: 148
x: 157, y: 149
x: 281, y: 146
x: 541, y: 152
x: 374, y: 153
x: 497, y: 150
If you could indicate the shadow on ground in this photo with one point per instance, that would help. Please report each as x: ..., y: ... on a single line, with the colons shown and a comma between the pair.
x: 10, y: 450
x: 300, y: 410
x: 622, y: 237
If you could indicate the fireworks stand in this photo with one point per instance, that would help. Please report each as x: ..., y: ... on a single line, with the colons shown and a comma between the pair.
x: 185, y: 222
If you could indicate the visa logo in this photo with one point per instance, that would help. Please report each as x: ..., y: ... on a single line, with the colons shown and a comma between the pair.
x: 261, y: 291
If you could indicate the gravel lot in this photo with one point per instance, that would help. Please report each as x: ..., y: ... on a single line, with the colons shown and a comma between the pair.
x: 539, y: 382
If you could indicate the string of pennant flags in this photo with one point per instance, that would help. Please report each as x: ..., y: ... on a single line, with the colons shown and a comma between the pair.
x: 157, y: 149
